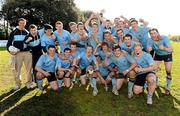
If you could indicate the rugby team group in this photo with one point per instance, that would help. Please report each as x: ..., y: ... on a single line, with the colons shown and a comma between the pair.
x: 97, y: 51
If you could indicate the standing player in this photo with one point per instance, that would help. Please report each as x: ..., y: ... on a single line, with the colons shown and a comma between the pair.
x: 163, y: 52
x: 120, y: 36
x: 128, y: 44
x: 95, y: 18
x: 16, y: 40
x: 139, y: 33
x: 33, y: 41
x: 94, y: 37
x: 110, y: 39
x: 48, y: 38
x: 80, y: 37
x: 63, y: 36
x: 74, y: 34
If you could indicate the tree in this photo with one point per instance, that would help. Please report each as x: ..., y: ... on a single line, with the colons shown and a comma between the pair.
x: 41, y: 11
x: 85, y: 15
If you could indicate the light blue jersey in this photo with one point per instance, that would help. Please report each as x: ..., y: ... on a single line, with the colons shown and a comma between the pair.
x: 114, y: 31
x: 63, y: 39
x: 91, y: 41
x: 100, y: 29
x: 123, y: 63
x: 65, y: 63
x: 111, y: 43
x: 164, y: 41
x: 75, y: 55
x: 125, y: 31
x: 46, y: 63
x: 129, y: 49
x: 111, y: 29
x: 46, y: 41
x: 102, y: 54
x: 141, y: 35
x: 41, y: 32
x: 81, y: 44
x: 144, y: 61
x: 103, y: 70
x: 84, y: 62
x: 74, y: 35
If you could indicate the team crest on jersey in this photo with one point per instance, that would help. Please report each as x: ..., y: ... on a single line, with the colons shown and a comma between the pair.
x: 143, y: 62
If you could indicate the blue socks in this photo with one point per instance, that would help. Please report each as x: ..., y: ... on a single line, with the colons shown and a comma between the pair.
x: 114, y: 83
x: 145, y: 86
x: 60, y: 81
x: 157, y: 81
x: 40, y: 84
x: 168, y: 83
x: 150, y: 95
x: 94, y: 83
x: 130, y: 86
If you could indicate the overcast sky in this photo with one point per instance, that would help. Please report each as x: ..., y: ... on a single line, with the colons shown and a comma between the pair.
x: 161, y: 14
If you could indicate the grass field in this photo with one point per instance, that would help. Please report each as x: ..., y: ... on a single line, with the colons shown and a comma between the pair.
x: 80, y: 102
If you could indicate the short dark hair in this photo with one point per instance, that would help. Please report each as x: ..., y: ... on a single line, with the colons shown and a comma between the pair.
x: 119, y: 30
x: 74, y: 43
x: 67, y: 49
x: 116, y: 18
x: 153, y: 29
x: 133, y: 20
x: 128, y: 35
x: 48, y: 26
x: 89, y: 46
x: 32, y: 26
x: 104, y: 44
x: 80, y: 23
x: 122, y: 21
x: 107, y: 32
x: 107, y: 20
x: 51, y: 46
x: 116, y: 46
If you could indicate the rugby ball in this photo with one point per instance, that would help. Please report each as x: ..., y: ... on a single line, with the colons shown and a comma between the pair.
x: 13, y: 49
x: 90, y: 72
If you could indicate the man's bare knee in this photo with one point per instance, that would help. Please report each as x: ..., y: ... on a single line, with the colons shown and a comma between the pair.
x: 39, y: 75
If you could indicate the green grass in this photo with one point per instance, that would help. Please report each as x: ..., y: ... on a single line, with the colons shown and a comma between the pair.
x: 80, y: 102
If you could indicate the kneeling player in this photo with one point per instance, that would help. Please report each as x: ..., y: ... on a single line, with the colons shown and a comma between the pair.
x: 45, y: 68
x: 125, y: 65
x: 145, y: 72
x: 64, y: 68
x: 102, y: 73
x: 85, y: 61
